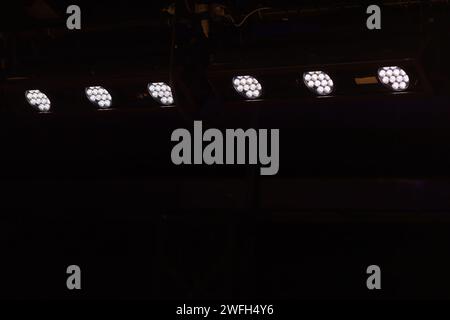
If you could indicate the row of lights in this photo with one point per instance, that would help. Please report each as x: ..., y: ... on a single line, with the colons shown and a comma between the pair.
x: 318, y: 82
x: 100, y: 97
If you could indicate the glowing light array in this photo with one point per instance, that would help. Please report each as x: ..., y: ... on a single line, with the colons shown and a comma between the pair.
x: 38, y: 100
x: 248, y: 86
x: 394, y: 77
x: 319, y: 82
x: 99, y: 96
x: 161, y: 92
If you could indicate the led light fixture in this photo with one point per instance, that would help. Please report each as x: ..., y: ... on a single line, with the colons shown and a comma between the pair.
x: 394, y: 78
x: 38, y: 100
x: 99, y: 96
x: 161, y: 92
x: 248, y: 86
x: 319, y: 82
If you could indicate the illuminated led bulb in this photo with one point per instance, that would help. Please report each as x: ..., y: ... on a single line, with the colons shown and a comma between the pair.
x: 318, y: 82
x: 99, y: 96
x: 394, y: 77
x: 247, y: 86
x: 38, y: 100
x: 161, y: 92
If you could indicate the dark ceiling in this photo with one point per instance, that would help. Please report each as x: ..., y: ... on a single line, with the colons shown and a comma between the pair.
x: 117, y: 35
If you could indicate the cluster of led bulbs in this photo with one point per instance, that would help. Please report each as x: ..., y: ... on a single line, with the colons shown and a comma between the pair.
x: 161, y: 92
x: 318, y: 82
x: 394, y: 78
x: 38, y: 100
x: 248, y: 86
x: 99, y: 96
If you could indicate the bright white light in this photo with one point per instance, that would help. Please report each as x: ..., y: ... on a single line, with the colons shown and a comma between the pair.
x: 38, y: 100
x: 318, y: 82
x: 161, y: 92
x: 99, y: 96
x: 248, y: 87
x: 394, y: 77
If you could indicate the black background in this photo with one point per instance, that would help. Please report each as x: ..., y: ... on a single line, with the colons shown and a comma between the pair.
x: 363, y: 180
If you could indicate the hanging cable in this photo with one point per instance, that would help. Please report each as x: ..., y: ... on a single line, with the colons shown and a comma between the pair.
x: 244, y: 20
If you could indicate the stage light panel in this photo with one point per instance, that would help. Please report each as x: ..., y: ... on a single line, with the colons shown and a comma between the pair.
x: 161, y: 92
x: 99, y: 96
x: 248, y: 87
x: 318, y: 82
x: 394, y: 78
x: 38, y: 100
